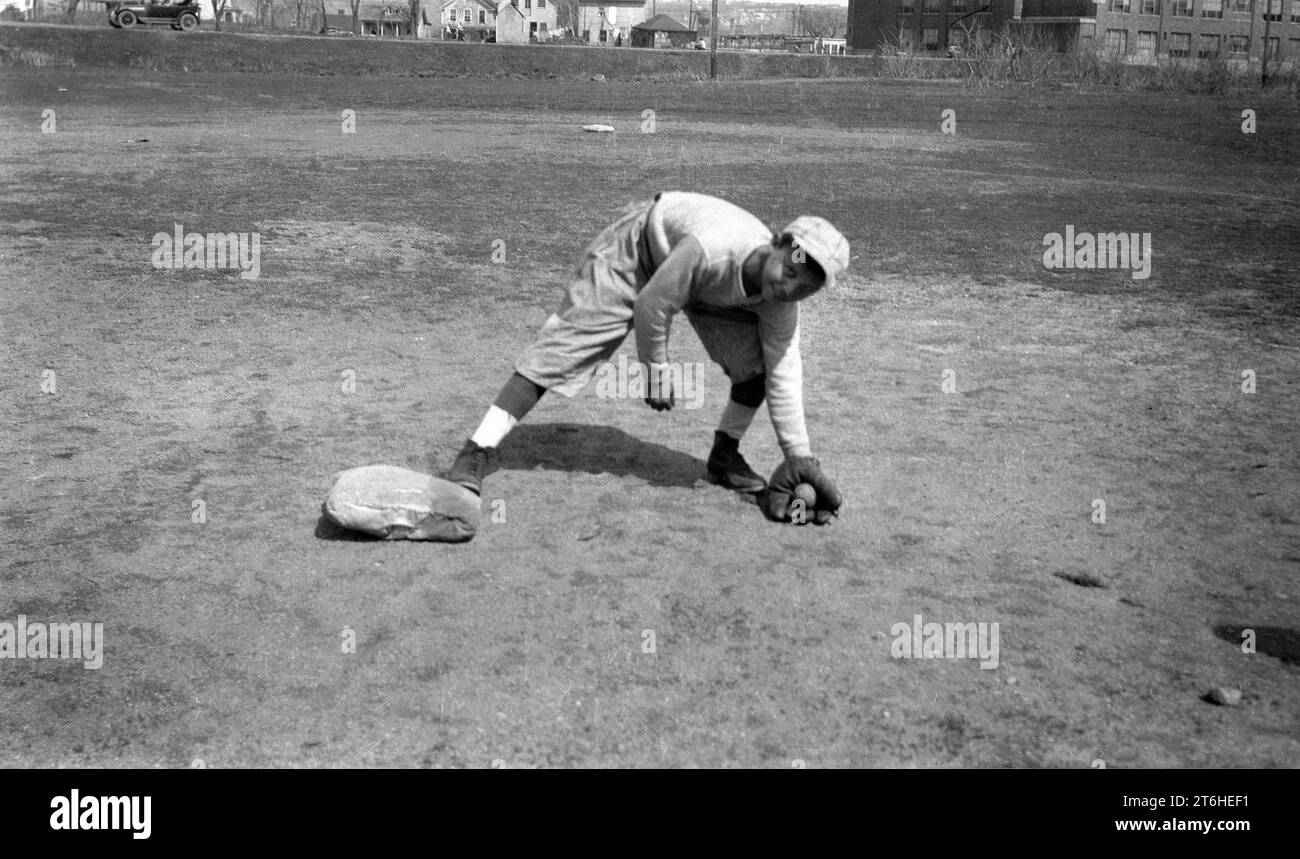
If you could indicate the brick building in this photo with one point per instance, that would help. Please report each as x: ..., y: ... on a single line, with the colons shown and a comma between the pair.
x: 1137, y: 29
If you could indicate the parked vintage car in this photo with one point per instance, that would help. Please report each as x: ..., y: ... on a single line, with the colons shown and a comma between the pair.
x: 179, y: 15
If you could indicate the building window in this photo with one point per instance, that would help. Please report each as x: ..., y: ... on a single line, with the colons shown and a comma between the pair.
x: 467, y: 16
x: 1295, y: 12
x: 1180, y: 44
x: 1270, y: 48
x: 1211, y: 8
x: 482, y: 16
x: 1117, y: 41
x: 604, y: 36
x: 957, y: 6
x: 905, y: 8
x: 930, y: 39
x: 1240, y: 5
x: 1182, y: 9
x: 1239, y: 44
x: 1149, y: 7
x: 1274, y: 11
x: 586, y: 35
x: 1119, y: 5
x: 1146, y: 43
x: 932, y: 5
x: 1209, y: 46
x: 541, y: 4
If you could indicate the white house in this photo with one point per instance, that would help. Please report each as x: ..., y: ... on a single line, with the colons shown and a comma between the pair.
x: 469, y: 19
x: 522, y: 21
x: 601, y: 22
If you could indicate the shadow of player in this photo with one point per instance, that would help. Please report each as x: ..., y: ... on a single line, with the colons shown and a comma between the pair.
x: 1279, y: 642
x: 598, y: 450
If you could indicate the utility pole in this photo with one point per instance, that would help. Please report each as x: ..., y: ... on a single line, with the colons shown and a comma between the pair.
x: 713, y: 47
x: 1250, y: 45
x: 1263, y: 72
x: 1160, y: 39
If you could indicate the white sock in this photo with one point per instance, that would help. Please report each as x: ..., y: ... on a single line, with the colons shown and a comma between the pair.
x: 736, y: 419
x: 496, y: 425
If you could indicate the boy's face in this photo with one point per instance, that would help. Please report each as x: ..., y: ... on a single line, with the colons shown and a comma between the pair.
x: 785, y: 279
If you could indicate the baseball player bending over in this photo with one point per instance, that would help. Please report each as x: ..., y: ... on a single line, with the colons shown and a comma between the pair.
x: 738, y: 284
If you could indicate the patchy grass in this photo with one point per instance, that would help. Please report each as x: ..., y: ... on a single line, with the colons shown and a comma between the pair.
x: 772, y: 643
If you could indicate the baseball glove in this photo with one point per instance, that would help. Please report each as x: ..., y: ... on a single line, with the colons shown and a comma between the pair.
x: 789, y: 474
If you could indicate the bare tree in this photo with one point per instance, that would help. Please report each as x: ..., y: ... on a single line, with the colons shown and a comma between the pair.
x: 825, y: 21
x: 71, y: 12
x: 218, y: 6
x: 566, y: 14
x: 413, y: 11
x: 356, y: 13
x: 264, y: 11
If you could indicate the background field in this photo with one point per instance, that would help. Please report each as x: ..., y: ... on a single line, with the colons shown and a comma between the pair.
x: 524, y: 646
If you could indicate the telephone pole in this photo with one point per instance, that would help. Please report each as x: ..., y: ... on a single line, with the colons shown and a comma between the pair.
x: 713, y: 47
x: 1263, y: 71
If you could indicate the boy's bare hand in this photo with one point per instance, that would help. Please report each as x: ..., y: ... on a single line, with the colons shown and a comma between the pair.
x: 660, y: 404
x: 661, y: 388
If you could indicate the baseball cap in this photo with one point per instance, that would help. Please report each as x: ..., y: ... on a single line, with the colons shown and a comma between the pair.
x: 819, y: 239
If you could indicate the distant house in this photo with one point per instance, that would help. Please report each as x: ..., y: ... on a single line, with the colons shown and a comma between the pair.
x: 602, y: 22
x: 472, y: 20
x: 390, y: 20
x: 662, y: 31
x: 522, y: 21
x: 827, y: 45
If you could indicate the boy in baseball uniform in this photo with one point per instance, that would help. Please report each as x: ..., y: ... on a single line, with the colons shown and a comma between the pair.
x: 738, y: 285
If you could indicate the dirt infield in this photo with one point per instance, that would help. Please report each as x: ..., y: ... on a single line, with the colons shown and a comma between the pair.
x: 225, y: 633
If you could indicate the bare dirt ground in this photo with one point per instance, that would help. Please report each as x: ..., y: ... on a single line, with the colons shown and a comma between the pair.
x: 772, y: 643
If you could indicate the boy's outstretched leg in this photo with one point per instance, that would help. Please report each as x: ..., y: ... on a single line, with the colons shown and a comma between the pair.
x: 726, y: 466
x: 478, y: 458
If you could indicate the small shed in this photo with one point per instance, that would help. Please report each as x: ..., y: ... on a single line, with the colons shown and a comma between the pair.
x: 662, y: 31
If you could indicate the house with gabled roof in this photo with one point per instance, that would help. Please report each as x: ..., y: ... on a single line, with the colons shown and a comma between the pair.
x: 662, y: 31
x: 604, y: 22
x: 471, y: 20
x: 522, y: 21
x: 391, y: 20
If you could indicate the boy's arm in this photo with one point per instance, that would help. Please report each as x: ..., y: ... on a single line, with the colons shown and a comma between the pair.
x: 664, y: 295
x: 779, y: 333
x: 779, y: 330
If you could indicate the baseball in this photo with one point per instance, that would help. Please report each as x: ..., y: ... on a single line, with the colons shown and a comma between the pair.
x: 805, y: 493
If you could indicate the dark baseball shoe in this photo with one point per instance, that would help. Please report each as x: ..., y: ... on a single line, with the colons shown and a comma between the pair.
x: 728, y: 468
x: 472, y: 464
